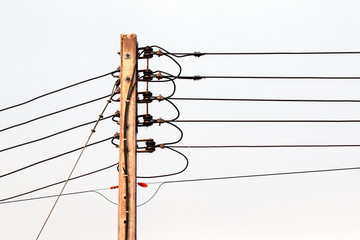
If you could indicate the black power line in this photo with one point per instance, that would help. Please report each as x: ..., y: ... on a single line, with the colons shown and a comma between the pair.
x: 57, y: 183
x: 53, y: 134
x: 263, y: 121
x: 58, y: 90
x: 53, y: 113
x: 198, y: 77
x: 53, y: 157
x: 199, y: 54
x: 271, y: 146
x: 263, y: 100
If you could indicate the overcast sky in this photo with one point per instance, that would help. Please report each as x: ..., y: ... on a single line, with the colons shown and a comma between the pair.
x: 45, y: 45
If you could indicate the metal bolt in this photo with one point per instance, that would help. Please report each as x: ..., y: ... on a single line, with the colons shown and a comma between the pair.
x: 127, y: 78
x: 127, y: 55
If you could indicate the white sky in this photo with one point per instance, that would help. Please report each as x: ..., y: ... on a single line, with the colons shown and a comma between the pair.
x: 45, y: 45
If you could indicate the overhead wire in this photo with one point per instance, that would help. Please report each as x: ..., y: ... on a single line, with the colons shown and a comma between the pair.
x: 53, y: 157
x: 57, y: 183
x: 58, y: 90
x: 64, y: 194
x: 244, y: 176
x: 79, y: 157
x: 270, y: 146
x: 53, y: 134
x: 53, y: 113
x: 263, y: 100
x: 198, y: 77
x: 264, y: 121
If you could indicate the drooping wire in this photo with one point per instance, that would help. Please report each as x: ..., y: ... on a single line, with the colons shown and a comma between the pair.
x: 52, y: 135
x: 177, y: 110
x: 247, y: 176
x: 264, y: 100
x: 53, y: 113
x: 58, y: 90
x: 53, y: 157
x: 78, y: 159
x: 64, y: 194
x: 170, y: 174
x: 142, y: 204
x: 57, y: 183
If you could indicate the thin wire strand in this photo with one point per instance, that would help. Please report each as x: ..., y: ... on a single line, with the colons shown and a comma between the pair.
x: 57, y: 183
x: 245, y: 176
x: 78, y: 159
x: 53, y: 113
x: 53, y: 157
x: 199, y: 54
x: 53, y: 134
x: 264, y: 100
x: 58, y: 90
x: 260, y: 175
x: 142, y: 204
x: 52, y: 196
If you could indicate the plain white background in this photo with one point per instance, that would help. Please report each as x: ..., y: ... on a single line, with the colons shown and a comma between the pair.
x: 45, y: 45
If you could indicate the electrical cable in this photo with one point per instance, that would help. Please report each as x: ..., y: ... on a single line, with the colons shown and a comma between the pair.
x: 64, y: 194
x: 263, y: 121
x: 199, y: 54
x: 53, y: 134
x: 53, y: 113
x: 271, y: 146
x: 170, y: 174
x: 265, y: 100
x: 177, y: 110
x: 51, y: 158
x: 246, y: 176
x: 198, y: 77
x: 142, y: 204
x: 78, y: 159
x: 57, y: 183
x: 58, y: 90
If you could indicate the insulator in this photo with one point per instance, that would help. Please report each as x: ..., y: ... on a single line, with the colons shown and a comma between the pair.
x: 150, y: 145
x: 148, y: 52
x: 148, y: 120
x: 148, y: 75
x: 147, y: 97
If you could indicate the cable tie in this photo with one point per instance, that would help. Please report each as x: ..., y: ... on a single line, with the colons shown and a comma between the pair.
x: 159, y: 76
x: 162, y: 145
x: 198, y: 54
x: 160, y: 98
x: 197, y: 78
x: 93, y: 130
x: 109, y: 101
x: 101, y: 116
x: 160, y: 121
x: 159, y: 53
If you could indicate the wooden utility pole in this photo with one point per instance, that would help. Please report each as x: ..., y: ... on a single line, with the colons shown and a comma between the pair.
x: 127, y: 138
